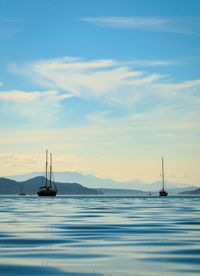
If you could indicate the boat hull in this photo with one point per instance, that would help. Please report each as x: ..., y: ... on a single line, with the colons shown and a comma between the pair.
x: 163, y: 193
x: 47, y: 192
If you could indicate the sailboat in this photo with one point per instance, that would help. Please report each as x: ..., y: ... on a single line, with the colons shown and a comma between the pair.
x: 163, y: 192
x: 21, y: 191
x: 48, y: 189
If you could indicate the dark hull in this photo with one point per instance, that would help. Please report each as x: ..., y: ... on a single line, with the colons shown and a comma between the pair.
x: 163, y: 193
x: 47, y: 192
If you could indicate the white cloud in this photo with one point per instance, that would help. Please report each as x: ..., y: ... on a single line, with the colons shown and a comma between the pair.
x: 148, y: 101
x: 76, y: 76
x: 128, y: 22
x: 19, y: 96
x: 39, y: 106
x: 153, y: 63
x: 110, y: 81
x: 184, y: 85
x: 184, y: 25
x: 107, y: 80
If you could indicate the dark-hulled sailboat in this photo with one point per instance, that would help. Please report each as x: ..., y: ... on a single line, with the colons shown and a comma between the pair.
x: 48, y: 189
x: 163, y: 192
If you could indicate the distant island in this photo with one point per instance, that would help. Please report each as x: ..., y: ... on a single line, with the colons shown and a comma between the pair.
x: 30, y: 186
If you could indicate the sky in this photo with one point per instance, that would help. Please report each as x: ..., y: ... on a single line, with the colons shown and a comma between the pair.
x: 107, y: 86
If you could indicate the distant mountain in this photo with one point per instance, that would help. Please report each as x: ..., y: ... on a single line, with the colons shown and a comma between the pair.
x: 92, y: 181
x: 31, y: 186
x: 8, y: 186
x: 191, y: 192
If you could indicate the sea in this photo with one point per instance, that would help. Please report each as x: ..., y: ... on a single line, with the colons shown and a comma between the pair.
x: 90, y: 235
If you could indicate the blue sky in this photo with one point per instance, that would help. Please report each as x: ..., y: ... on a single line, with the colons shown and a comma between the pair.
x: 108, y: 86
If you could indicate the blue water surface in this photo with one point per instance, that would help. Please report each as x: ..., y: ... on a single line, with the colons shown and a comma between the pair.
x: 99, y: 235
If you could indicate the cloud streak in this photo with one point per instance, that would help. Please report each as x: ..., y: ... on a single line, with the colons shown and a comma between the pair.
x: 19, y: 96
x: 184, y: 25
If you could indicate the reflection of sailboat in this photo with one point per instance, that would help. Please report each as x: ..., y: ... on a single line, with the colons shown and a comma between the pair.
x: 21, y: 191
x: 163, y: 192
x: 48, y: 189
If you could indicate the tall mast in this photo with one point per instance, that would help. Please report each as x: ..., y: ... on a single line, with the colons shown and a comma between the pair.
x: 163, y: 176
x: 46, y: 165
x: 50, y: 168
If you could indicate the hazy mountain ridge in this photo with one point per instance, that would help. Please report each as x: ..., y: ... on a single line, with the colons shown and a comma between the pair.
x: 193, y: 192
x: 122, y: 192
x: 31, y: 186
x: 92, y: 181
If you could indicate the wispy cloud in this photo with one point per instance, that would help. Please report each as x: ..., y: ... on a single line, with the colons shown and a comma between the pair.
x: 181, y: 25
x: 101, y: 79
x: 30, y: 96
x: 132, y: 100
x: 108, y: 80
x: 32, y: 105
x: 153, y: 63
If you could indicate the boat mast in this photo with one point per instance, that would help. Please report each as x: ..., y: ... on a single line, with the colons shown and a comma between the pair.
x: 46, y: 166
x: 50, y: 168
x: 163, y: 176
x: 21, y: 189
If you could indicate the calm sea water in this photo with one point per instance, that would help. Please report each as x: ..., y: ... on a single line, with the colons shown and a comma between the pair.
x: 99, y: 235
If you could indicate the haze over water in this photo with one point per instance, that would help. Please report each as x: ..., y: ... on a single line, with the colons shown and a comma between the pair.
x: 99, y: 235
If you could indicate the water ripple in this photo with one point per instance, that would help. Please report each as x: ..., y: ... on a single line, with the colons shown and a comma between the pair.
x: 99, y: 235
